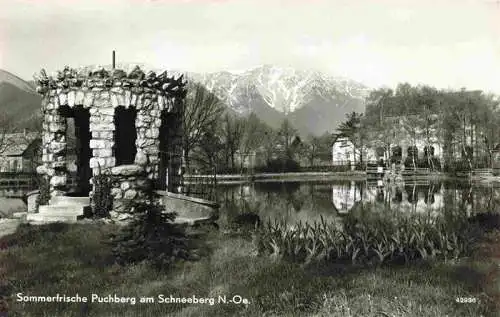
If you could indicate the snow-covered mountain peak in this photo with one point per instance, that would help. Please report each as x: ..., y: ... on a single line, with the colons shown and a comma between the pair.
x: 282, y: 88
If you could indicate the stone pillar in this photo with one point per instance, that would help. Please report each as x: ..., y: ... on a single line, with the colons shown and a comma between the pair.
x: 54, y: 148
x: 147, y: 143
x: 129, y: 185
x: 102, y: 131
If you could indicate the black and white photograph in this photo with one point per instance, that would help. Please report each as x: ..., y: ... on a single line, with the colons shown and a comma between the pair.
x: 267, y: 158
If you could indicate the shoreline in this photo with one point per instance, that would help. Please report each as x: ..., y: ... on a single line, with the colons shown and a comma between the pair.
x: 325, y: 176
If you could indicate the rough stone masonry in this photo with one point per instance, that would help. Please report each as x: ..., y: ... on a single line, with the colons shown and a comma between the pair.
x: 146, y: 107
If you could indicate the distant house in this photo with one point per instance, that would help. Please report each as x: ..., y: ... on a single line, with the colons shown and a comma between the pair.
x: 345, y: 153
x: 245, y: 159
x: 19, y: 152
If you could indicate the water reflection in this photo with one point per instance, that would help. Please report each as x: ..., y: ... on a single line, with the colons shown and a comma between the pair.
x: 11, y: 200
x: 308, y: 201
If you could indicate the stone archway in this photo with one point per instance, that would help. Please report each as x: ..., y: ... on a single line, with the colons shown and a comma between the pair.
x: 125, y: 135
x: 165, y: 163
x: 78, y: 136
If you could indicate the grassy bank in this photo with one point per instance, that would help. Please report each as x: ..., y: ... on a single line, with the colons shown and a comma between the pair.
x: 70, y: 259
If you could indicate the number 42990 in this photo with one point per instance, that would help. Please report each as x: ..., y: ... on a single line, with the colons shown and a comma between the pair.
x: 466, y: 300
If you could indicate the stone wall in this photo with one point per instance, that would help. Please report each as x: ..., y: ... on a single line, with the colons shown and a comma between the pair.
x: 102, y: 92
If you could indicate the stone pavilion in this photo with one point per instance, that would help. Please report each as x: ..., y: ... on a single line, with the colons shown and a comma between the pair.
x: 128, y: 125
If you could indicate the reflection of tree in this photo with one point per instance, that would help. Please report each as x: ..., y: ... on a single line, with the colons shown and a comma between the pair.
x: 398, y: 195
x: 304, y: 201
x: 380, y: 198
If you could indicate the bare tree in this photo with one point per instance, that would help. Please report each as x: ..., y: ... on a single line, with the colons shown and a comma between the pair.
x: 6, y: 127
x: 317, y: 147
x: 202, y: 110
x: 233, y: 129
x: 286, y: 134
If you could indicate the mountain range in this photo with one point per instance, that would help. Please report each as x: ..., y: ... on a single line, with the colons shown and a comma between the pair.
x: 313, y: 102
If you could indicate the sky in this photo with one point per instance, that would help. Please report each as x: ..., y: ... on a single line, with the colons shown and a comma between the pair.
x: 443, y: 43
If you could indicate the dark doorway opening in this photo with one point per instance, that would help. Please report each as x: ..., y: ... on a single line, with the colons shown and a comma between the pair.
x: 125, y: 135
x: 167, y: 128
x: 78, y: 137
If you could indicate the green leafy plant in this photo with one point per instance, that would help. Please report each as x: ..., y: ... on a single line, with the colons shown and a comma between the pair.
x: 369, y: 238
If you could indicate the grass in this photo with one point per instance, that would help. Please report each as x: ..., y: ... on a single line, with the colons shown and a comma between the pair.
x: 70, y: 259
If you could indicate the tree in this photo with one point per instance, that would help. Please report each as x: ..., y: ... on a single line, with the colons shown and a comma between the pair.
x: 233, y: 129
x: 6, y: 127
x: 462, y: 121
x: 353, y: 130
x: 286, y: 136
x: 380, y: 104
x: 317, y: 147
x: 202, y: 110
x: 488, y: 129
x: 254, y: 136
x: 427, y: 98
x: 210, y: 149
x: 253, y: 133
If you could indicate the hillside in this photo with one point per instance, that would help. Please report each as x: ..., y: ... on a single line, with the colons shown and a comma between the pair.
x: 6, y: 77
x: 18, y: 100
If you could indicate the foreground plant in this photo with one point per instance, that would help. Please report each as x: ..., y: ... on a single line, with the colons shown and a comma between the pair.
x: 369, y: 239
x: 151, y: 236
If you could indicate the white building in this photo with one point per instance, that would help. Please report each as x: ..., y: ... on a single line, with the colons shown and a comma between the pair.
x: 345, y: 153
x: 401, y: 138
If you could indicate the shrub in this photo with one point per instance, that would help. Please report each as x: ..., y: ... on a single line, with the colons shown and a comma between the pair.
x: 151, y: 236
x: 102, y: 201
x: 283, y: 165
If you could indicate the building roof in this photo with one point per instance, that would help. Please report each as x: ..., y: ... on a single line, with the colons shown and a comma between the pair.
x: 337, y: 138
x: 16, y: 143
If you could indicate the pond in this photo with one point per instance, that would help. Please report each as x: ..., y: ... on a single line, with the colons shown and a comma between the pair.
x: 11, y: 201
x: 310, y: 200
